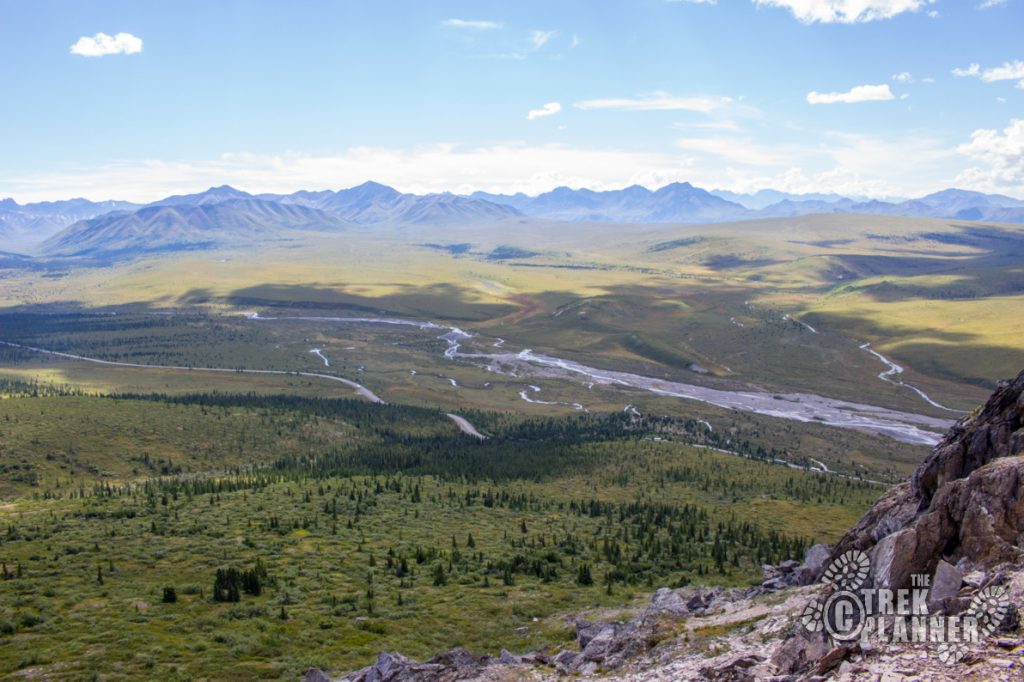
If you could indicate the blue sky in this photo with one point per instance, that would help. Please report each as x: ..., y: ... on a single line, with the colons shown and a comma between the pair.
x: 875, y: 97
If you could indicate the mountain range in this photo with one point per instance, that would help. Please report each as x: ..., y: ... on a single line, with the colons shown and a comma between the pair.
x: 228, y: 216
x: 679, y: 202
x: 684, y: 203
x: 183, y: 226
x: 23, y: 225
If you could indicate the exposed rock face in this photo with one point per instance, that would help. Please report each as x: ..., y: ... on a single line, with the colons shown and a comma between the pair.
x: 793, y: 573
x: 964, y: 504
x: 996, y: 431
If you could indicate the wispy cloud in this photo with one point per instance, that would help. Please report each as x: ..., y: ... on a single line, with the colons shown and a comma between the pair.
x: 741, y: 150
x: 972, y: 70
x: 541, y: 38
x: 845, y: 11
x: 988, y: 4
x: 903, y: 77
x: 549, y: 109
x: 1009, y: 71
x: 842, y: 163
x: 658, y: 101
x: 474, y: 24
x: 101, y: 45
x: 861, y: 93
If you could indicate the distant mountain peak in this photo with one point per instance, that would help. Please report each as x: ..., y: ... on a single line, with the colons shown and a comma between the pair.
x: 209, y: 196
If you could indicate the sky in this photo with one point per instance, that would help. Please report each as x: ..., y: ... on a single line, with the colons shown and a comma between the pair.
x: 139, y: 100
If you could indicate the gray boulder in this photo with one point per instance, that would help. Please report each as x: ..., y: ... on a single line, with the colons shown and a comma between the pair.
x: 942, y: 597
x: 316, y: 675
x: 800, y: 651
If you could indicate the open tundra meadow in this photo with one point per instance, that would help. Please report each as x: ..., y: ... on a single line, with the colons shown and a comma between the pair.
x: 170, y: 415
x: 508, y: 341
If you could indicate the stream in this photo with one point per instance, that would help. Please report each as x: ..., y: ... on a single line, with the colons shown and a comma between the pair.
x: 803, y: 407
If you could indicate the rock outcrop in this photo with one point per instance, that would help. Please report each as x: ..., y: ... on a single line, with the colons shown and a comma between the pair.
x: 964, y: 504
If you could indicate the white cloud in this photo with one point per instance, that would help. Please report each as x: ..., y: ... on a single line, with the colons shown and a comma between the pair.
x: 987, y: 4
x: 845, y: 11
x: 435, y: 168
x: 837, y: 162
x: 1009, y: 71
x: 475, y: 24
x: 903, y: 77
x: 549, y: 109
x: 861, y: 93
x: 541, y: 38
x: 1002, y: 156
x: 101, y: 45
x: 658, y: 101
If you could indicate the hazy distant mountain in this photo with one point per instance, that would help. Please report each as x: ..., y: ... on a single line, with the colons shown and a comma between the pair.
x: 788, y: 208
x: 675, y: 203
x: 950, y: 203
x: 764, y: 198
x: 684, y: 203
x: 188, y: 226
x: 372, y: 203
x: 449, y: 209
x: 955, y: 204
x: 22, y: 226
x: 228, y: 216
x: 214, y: 195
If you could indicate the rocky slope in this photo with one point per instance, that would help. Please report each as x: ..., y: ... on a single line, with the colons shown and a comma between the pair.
x: 959, y: 520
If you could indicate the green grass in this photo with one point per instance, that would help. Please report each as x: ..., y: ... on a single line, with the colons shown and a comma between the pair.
x: 88, y: 551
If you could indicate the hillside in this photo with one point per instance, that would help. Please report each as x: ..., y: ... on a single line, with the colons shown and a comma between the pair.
x: 187, y: 226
